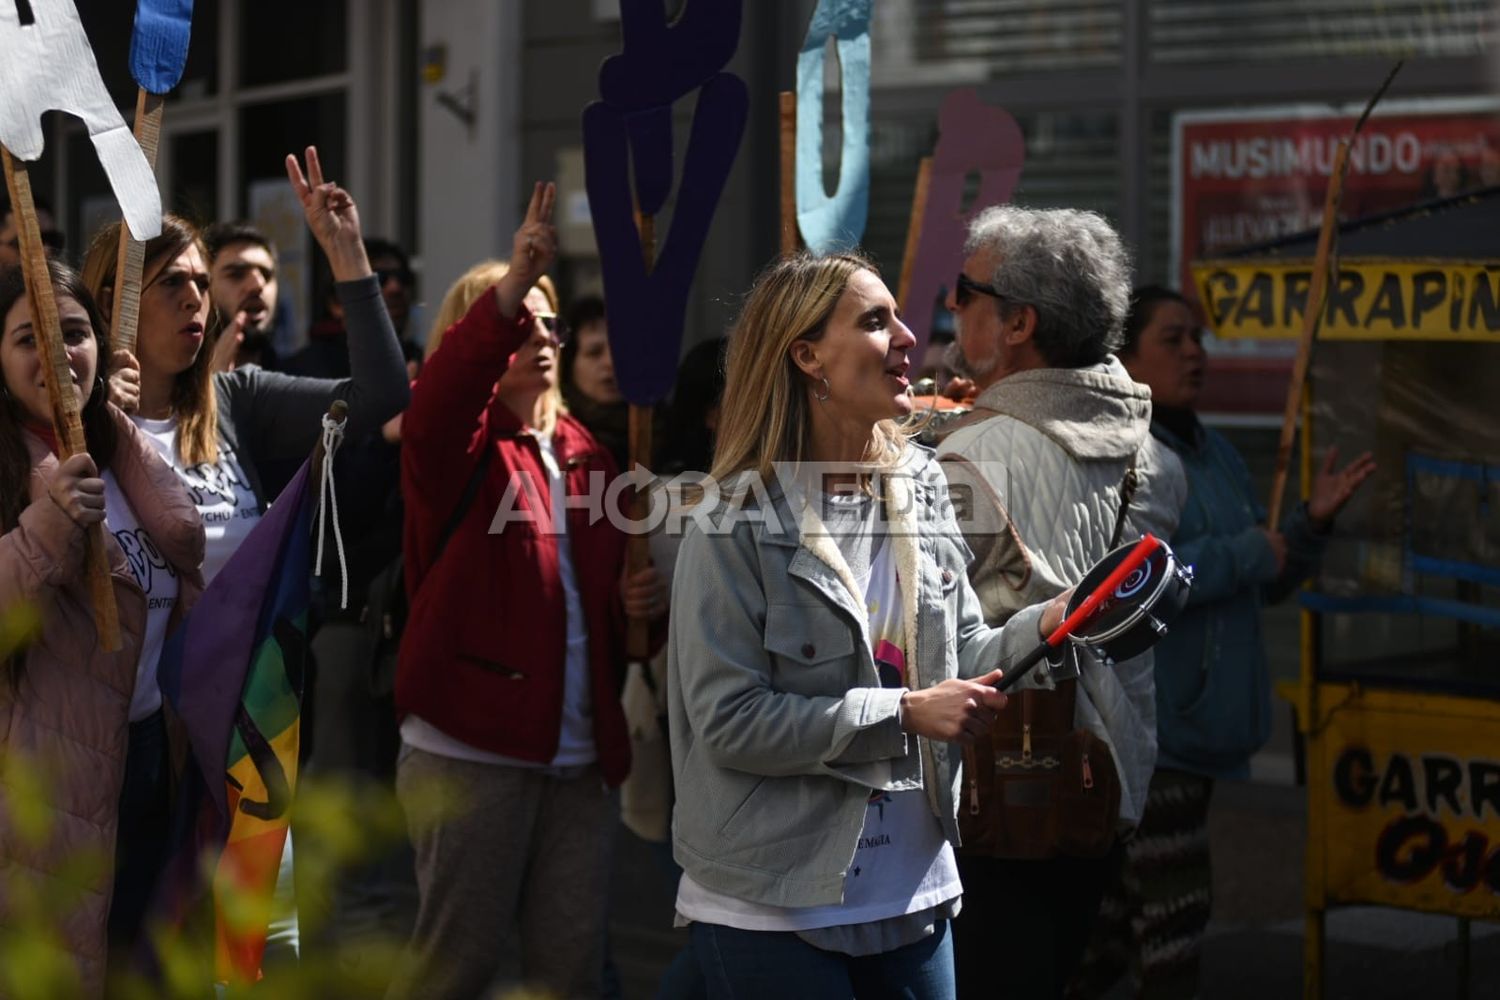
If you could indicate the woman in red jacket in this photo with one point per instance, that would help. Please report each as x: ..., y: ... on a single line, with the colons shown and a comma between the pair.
x: 513, y: 656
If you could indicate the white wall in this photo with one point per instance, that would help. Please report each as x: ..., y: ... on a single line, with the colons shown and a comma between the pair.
x: 468, y: 179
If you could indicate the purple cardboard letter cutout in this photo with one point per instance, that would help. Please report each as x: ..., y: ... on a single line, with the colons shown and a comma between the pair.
x: 633, y: 123
x: 972, y: 136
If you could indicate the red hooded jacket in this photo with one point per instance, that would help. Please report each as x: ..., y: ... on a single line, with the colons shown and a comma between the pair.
x: 482, y: 657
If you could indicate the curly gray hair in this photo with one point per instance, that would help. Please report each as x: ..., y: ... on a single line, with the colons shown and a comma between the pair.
x: 1070, y: 266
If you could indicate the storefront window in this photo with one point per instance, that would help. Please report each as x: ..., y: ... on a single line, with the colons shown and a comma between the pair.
x: 195, y: 175
x: 268, y: 132
x: 281, y: 40
x: 200, y: 77
x: 108, y: 26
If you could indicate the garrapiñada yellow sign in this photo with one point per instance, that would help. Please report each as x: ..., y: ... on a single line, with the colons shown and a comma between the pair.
x: 1373, y: 299
x: 1411, y: 801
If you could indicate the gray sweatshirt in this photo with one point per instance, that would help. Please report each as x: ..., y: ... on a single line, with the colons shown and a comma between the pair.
x: 269, y: 416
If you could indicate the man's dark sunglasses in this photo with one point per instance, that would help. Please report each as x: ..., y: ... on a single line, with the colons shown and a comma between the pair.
x: 401, y: 274
x: 966, y: 288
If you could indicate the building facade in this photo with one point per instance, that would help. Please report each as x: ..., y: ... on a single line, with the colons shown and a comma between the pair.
x: 438, y: 114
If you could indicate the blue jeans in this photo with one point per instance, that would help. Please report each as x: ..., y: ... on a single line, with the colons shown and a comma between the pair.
x: 750, y: 964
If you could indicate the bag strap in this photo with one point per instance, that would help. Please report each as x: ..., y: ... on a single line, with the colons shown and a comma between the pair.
x: 471, y: 490
x: 1128, y: 487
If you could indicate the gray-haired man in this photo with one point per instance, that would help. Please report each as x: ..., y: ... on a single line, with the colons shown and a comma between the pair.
x: 1042, y: 466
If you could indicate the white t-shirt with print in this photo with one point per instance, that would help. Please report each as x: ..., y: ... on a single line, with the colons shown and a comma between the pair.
x: 157, y: 579
x: 219, y: 490
x: 903, y: 863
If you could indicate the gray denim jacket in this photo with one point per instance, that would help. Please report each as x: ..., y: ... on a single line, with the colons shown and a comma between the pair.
x: 779, y: 726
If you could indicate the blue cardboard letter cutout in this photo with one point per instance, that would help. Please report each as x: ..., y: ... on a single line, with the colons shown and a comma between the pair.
x: 159, y: 43
x: 837, y: 222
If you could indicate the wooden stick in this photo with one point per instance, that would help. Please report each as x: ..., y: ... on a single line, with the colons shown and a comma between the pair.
x: 1311, y: 318
x: 791, y: 237
x: 914, y: 234
x: 131, y: 258
x: 1324, y: 262
x: 638, y: 546
x: 67, y: 422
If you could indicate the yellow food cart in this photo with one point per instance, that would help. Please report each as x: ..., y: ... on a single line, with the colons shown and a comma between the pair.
x: 1398, y: 703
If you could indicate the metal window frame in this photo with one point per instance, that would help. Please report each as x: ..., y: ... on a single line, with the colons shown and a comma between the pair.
x: 370, y: 84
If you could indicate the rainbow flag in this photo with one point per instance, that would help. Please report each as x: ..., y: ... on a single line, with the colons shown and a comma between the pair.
x: 234, y: 674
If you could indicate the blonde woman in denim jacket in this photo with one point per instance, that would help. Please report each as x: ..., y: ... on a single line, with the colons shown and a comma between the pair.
x: 825, y: 650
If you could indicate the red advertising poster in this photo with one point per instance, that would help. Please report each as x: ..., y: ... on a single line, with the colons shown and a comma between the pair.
x: 1247, y: 176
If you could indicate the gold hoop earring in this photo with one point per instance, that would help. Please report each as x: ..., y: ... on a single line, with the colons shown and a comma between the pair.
x: 827, y: 391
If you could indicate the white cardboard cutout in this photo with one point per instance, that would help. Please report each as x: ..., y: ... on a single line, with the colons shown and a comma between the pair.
x: 49, y: 66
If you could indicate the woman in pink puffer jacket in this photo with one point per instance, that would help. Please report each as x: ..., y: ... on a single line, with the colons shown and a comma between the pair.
x: 83, y: 756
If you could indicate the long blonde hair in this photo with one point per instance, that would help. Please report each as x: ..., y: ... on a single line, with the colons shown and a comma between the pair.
x: 462, y: 295
x: 765, y: 416
x: 194, y: 400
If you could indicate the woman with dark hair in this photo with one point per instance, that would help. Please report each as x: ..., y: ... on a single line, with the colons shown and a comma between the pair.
x: 220, y: 429
x: 223, y: 430
x: 589, y: 388
x: 1213, y: 688
x: 89, y: 722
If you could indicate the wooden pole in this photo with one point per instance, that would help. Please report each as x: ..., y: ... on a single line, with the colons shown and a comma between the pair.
x: 1322, y: 265
x: 914, y: 234
x: 1311, y: 318
x: 790, y: 237
x: 131, y: 258
x: 637, y: 546
x: 67, y: 422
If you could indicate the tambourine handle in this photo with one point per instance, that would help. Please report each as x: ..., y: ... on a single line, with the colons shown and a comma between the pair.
x: 1021, y: 667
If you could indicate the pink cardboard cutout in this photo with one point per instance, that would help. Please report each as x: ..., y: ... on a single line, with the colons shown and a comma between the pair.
x: 972, y: 136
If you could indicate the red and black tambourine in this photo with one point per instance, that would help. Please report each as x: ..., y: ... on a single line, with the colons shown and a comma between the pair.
x: 1120, y: 608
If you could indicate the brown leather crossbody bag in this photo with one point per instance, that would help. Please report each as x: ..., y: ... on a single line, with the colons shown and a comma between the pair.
x: 1037, y: 785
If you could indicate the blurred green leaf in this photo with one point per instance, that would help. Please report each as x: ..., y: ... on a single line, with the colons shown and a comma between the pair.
x: 20, y: 623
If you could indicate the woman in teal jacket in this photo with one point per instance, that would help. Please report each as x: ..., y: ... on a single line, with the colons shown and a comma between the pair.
x: 1213, y: 688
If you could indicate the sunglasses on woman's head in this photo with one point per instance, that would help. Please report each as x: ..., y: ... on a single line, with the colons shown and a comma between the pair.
x: 966, y: 288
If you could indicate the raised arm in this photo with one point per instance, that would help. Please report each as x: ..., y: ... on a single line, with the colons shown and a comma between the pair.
x: 283, y: 412
x: 442, y: 428
x: 1308, y: 527
x: 332, y: 216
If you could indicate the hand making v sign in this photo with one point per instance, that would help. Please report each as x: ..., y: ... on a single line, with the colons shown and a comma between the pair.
x: 532, y: 251
x: 332, y: 216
